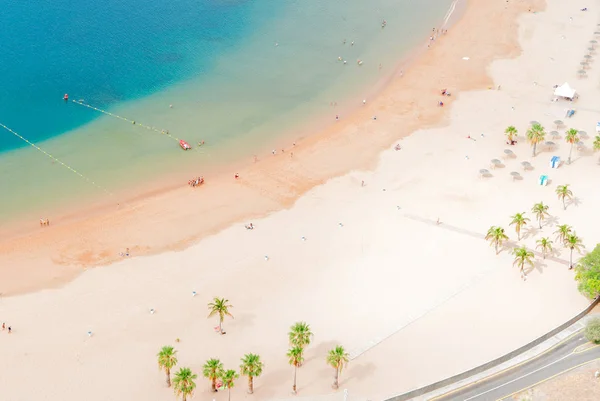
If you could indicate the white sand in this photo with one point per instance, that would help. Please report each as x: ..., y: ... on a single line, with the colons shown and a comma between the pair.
x: 451, y: 302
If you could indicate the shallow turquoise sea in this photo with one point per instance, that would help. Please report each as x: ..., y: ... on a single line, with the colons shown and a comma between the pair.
x: 238, y: 74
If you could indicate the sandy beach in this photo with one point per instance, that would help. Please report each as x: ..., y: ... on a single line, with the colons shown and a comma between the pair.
x: 396, y: 270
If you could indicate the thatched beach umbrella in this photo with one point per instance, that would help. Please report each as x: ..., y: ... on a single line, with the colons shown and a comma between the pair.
x: 526, y: 165
x: 550, y: 144
x: 587, y: 57
x: 558, y: 123
x: 554, y: 134
x: 533, y: 122
x: 581, y: 72
x: 584, y: 64
x: 484, y: 172
x: 495, y: 163
x: 582, y: 134
x: 508, y: 153
x: 593, y: 41
x: 515, y: 175
x: 591, y: 49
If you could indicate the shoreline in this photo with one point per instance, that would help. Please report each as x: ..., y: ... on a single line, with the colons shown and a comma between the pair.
x: 22, y: 226
x: 397, y: 271
x: 80, y: 240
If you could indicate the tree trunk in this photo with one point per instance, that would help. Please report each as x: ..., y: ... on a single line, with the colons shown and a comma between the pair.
x: 518, y: 233
x: 496, y: 248
x: 570, y: 150
x: 543, y: 253
x: 534, y: 146
x: 294, y: 386
x: 184, y: 397
x: 228, y: 394
x: 250, y: 385
x: 335, y: 379
x: 540, y: 221
x: 564, y: 204
x: 214, y: 385
x: 168, y: 377
x: 221, y: 325
x: 571, y: 260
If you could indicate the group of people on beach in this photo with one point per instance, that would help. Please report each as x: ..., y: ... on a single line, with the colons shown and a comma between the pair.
x: 4, y: 328
x: 194, y: 182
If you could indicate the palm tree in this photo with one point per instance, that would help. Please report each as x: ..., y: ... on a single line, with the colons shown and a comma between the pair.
x: 573, y: 242
x: 535, y: 135
x: 252, y: 367
x: 295, y: 358
x: 183, y: 383
x: 572, y: 137
x: 511, y: 133
x: 212, y: 370
x: 166, y: 361
x: 564, y: 192
x: 541, y: 212
x: 596, y: 143
x: 496, y: 237
x: 337, y: 359
x: 519, y: 220
x: 228, y: 378
x: 300, y: 334
x: 562, y: 232
x: 522, y: 256
x: 545, y: 244
x: 220, y: 306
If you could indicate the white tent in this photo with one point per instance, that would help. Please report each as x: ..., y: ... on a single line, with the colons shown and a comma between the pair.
x: 565, y: 91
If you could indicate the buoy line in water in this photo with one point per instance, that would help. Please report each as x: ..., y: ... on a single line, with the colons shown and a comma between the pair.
x: 133, y: 122
x: 55, y: 159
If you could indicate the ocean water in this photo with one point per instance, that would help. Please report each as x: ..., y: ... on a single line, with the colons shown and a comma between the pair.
x: 238, y: 74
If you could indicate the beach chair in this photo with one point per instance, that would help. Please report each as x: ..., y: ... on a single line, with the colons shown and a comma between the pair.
x: 554, y: 162
x: 570, y: 113
x: 543, y: 180
x: 598, y: 127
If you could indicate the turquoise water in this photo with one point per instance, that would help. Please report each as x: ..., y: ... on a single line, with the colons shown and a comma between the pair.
x: 239, y: 74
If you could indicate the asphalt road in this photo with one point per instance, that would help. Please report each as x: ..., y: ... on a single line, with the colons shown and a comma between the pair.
x: 501, y: 386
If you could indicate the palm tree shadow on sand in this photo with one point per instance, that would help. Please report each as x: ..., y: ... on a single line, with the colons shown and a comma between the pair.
x: 574, y: 201
x: 320, y: 350
x: 242, y: 321
x: 358, y: 372
x: 538, y: 264
x: 550, y: 221
x: 530, y: 231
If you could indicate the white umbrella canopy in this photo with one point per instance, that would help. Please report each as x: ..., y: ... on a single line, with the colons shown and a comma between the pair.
x: 565, y: 90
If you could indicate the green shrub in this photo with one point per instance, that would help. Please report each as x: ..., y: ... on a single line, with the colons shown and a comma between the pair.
x: 592, y: 330
x: 588, y: 274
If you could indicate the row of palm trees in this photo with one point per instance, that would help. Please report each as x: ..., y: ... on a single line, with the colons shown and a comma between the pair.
x: 184, y: 379
x: 536, y: 134
x: 300, y: 336
x: 565, y: 235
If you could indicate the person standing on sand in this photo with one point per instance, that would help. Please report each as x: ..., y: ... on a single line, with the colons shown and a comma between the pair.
x: 3, y: 326
x: 9, y: 329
